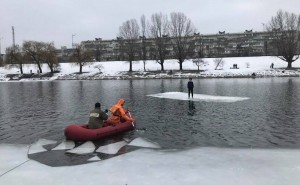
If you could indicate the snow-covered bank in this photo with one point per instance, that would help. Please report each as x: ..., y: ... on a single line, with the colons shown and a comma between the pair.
x: 247, y: 66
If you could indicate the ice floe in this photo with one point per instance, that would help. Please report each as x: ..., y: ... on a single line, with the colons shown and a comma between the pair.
x: 198, y: 97
x: 65, y: 145
x: 85, y: 148
x: 141, y: 142
x: 111, y: 148
x: 96, y: 158
x: 38, y: 146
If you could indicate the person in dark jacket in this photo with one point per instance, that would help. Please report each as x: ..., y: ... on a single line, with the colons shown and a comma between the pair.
x: 96, y: 117
x: 190, y: 86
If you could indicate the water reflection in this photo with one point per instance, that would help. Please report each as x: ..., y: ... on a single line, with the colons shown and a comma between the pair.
x: 192, y: 108
x: 283, y: 129
x: 182, y: 85
x: 270, y: 118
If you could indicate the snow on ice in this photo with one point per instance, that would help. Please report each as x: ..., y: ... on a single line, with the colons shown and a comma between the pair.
x: 206, y: 165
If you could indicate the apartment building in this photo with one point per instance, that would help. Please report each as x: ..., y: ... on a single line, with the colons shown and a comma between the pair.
x: 221, y: 44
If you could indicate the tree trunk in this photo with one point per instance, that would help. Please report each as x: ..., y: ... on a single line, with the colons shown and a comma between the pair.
x: 162, y: 65
x: 39, y: 66
x: 80, y: 68
x: 144, y: 62
x: 21, y: 68
x: 130, y: 66
x: 180, y: 64
x: 289, y: 64
x: 50, y: 67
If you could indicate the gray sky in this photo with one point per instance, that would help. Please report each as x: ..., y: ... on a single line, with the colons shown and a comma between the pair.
x: 57, y: 20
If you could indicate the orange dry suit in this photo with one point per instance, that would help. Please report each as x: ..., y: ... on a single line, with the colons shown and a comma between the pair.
x: 118, y: 113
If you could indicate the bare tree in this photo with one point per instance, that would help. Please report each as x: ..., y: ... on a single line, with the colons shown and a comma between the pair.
x: 48, y: 56
x: 129, y: 31
x: 1, y: 61
x: 219, y: 62
x: 159, y: 30
x: 143, y: 37
x: 99, y: 67
x: 34, y: 50
x: 247, y: 64
x: 81, y: 56
x: 181, y: 29
x: 199, y: 62
x: 15, y: 56
x: 285, y: 30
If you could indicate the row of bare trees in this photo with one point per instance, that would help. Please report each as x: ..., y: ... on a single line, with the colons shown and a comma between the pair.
x: 160, y: 28
x: 41, y: 53
x: 32, y: 52
x: 177, y: 29
x: 168, y: 34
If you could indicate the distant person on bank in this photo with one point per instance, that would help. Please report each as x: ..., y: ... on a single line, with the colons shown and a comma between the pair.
x: 118, y: 113
x: 190, y: 86
x: 97, y: 116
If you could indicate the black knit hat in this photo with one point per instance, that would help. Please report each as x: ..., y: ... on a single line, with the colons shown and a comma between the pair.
x: 97, y: 104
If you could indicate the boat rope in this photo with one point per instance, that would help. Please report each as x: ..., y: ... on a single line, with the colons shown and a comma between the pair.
x: 19, y: 164
x: 14, y: 168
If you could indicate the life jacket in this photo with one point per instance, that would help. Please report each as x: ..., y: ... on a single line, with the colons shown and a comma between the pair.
x: 118, y: 113
x: 114, y: 109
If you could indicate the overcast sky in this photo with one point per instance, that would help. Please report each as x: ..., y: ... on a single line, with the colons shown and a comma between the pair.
x: 58, y: 20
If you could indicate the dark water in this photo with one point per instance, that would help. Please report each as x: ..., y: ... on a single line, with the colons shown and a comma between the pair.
x: 33, y: 110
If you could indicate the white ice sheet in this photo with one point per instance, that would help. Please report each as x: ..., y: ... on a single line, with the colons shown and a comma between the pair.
x: 198, y: 97
x: 143, y: 143
x: 65, y: 145
x: 111, y: 148
x: 85, y: 148
x: 38, y: 146
x: 217, y: 166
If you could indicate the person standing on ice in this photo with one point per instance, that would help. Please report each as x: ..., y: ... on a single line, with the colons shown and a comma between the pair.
x: 190, y: 86
x: 118, y: 113
x: 96, y: 117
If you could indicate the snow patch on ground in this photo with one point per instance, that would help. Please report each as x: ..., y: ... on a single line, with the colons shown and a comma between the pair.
x: 247, y: 66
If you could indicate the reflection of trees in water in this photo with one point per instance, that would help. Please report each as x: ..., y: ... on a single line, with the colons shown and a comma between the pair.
x: 131, y: 92
x: 192, y: 108
x: 291, y: 104
x: 283, y: 117
x: 162, y: 86
x: 181, y: 85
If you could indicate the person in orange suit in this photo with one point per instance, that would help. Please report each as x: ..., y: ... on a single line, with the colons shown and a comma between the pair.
x: 118, y: 113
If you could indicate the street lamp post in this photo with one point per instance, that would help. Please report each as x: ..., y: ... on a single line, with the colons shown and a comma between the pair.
x: 72, y: 40
x: 263, y: 25
x: 0, y: 46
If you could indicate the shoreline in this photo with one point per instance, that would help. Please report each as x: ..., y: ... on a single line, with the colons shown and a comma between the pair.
x: 241, y: 67
x: 136, y: 75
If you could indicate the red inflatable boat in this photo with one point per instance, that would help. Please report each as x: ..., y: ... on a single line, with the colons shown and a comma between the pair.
x: 83, y: 133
